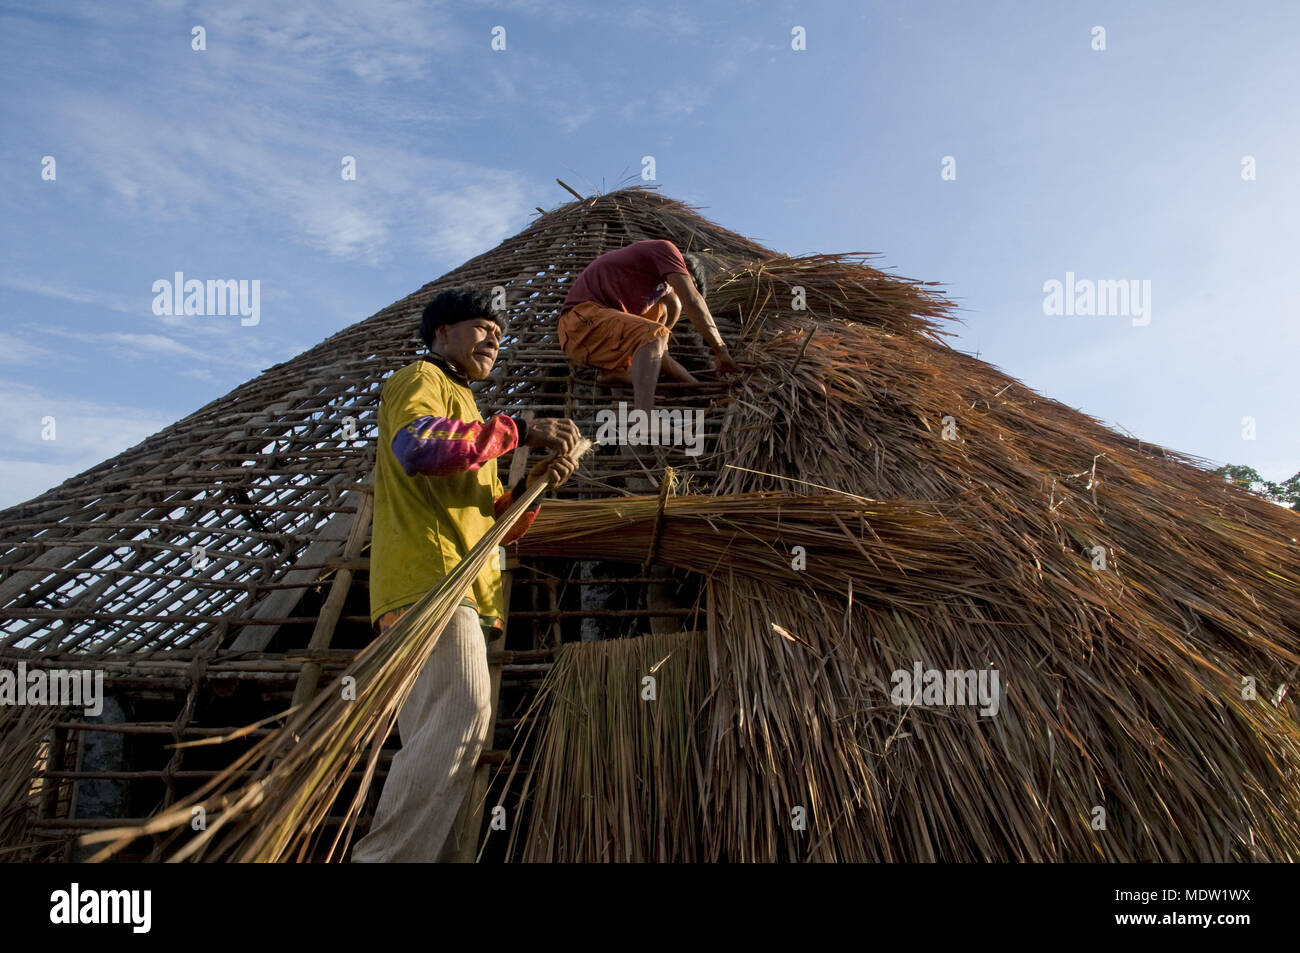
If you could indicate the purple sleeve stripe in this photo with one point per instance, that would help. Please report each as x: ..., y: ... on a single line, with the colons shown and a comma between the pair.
x: 435, y: 446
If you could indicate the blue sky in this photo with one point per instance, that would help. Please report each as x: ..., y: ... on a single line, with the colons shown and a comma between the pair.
x: 1122, y: 164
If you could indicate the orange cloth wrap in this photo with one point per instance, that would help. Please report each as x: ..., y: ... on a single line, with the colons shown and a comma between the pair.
x: 606, y: 338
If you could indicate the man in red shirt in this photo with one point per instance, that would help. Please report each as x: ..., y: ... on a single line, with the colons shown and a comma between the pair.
x: 620, y: 312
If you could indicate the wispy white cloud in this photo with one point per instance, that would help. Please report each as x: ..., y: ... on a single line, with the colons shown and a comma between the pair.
x: 377, y: 41
x: 658, y: 20
x: 287, y: 176
x: 666, y: 104
x: 740, y: 53
x: 126, y: 304
x: 276, y: 158
x: 230, y: 345
x: 17, y: 350
x: 85, y: 433
x: 256, y: 124
x: 144, y: 345
x: 20, y: 480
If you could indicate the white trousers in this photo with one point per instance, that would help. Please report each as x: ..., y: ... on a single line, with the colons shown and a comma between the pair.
x: 443, y: 727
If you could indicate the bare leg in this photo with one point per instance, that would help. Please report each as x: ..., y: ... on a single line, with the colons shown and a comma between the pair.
x: 645, y: 373
x: 669, y: 367
x: 606, y: 378
x: 677, y: 372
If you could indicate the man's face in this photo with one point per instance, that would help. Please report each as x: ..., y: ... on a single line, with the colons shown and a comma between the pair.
x: 470, y: 345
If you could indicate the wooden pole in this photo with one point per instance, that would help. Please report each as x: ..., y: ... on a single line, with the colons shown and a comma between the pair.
x: 326, y: 623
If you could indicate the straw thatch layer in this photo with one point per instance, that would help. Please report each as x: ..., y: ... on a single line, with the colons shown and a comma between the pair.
x: 1127, y: 598
x: 25, y: 736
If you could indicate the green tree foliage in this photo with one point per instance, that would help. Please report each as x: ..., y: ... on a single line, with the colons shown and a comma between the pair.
x: 1287, y: 493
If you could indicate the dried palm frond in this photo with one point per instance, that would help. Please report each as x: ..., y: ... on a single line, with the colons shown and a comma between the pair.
x: 24, y: 743
x: 617, y: 756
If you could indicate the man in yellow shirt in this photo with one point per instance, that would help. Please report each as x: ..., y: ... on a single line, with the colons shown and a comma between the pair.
x: 437, y: 492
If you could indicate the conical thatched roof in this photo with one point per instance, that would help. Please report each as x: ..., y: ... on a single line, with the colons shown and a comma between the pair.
x: 1121, y: 591
x: 102, y: 562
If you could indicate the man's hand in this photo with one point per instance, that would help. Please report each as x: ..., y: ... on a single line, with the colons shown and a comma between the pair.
x: 553, y: 433
x: 726, y: 365
x: 555, y: 470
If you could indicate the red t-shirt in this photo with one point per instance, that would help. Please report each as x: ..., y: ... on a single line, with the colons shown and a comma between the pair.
x: 630, y: 278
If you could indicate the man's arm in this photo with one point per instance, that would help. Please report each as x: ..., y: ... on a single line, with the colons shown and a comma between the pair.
x: 432, y: 444
x: 507, y: 500
x: 672, y: 308
x: 436, y: 446
x: 697, y: 312
x: 555, y: 470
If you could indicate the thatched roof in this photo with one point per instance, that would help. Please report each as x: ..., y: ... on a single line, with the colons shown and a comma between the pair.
x: 1123, y: 678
